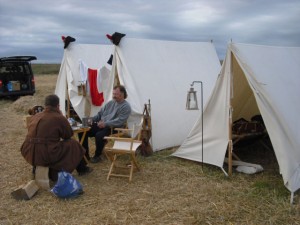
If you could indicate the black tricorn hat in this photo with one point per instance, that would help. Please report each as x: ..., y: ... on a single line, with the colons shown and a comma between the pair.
x: 115, y: 38
x: 67, y: 40
x: 110, y: 60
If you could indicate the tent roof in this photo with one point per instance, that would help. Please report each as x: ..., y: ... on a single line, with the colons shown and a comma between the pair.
x: 272, y: 75
x: 162, y: 71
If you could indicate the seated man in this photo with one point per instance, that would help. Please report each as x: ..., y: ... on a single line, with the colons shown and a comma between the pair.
x: 48, y: 142
x: 113, y: 114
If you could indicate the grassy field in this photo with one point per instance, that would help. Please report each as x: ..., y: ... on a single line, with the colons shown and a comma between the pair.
x: 167, y: 190
x: 45, y: 68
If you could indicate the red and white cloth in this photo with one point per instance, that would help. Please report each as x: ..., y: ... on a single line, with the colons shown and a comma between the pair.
x: 97, y: 98
x: 95, y: 83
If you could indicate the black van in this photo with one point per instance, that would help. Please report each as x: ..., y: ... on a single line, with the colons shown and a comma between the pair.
x: 16, y: 76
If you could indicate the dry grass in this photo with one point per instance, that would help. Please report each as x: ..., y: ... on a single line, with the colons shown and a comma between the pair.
x: 168, y: 190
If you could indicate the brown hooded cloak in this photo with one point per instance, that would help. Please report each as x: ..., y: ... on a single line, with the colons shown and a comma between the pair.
x: 48, y: 142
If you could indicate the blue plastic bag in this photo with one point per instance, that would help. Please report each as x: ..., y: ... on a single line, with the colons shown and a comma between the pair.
x: 67, y: 186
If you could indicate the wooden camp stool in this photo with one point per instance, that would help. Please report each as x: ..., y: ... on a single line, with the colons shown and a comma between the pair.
x: 122, y: 147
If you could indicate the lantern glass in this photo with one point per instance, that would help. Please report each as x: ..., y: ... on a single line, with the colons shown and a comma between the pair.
x: 191, y: 102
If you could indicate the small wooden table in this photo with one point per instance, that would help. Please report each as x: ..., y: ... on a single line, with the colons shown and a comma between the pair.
x: 80, y: 129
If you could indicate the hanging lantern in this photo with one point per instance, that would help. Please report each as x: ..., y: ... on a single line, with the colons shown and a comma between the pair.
x: 191, y: 101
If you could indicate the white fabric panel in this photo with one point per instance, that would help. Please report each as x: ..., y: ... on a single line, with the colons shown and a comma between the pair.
x: 273, y: 76
x: 162, y: 71
x: 94, y: 57
x: 61, y: 86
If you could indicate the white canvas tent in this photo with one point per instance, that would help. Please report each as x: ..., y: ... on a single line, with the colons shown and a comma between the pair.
x: 94, y: 57
x: 254, y: 80
x: 162, y: 72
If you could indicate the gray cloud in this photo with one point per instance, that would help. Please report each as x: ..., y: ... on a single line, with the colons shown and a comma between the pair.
x: 34, y: 27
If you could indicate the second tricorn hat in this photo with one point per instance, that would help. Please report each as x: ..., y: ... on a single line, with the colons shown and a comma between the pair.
x: 116, y: 37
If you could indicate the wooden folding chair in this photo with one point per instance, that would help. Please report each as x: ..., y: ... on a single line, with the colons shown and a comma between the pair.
x: 122, y: 146
x: 120, y: 132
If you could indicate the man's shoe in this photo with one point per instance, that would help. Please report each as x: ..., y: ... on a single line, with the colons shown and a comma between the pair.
x: 86, y: 171
x: 95, y: 159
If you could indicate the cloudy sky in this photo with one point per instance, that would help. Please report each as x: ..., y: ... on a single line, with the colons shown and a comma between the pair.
x: 35, y: 27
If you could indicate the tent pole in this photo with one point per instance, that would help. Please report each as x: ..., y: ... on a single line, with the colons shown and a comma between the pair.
x: 202, y: 122
x: 68, y: 109
x: 68, y: 102
x: 230, y: 145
